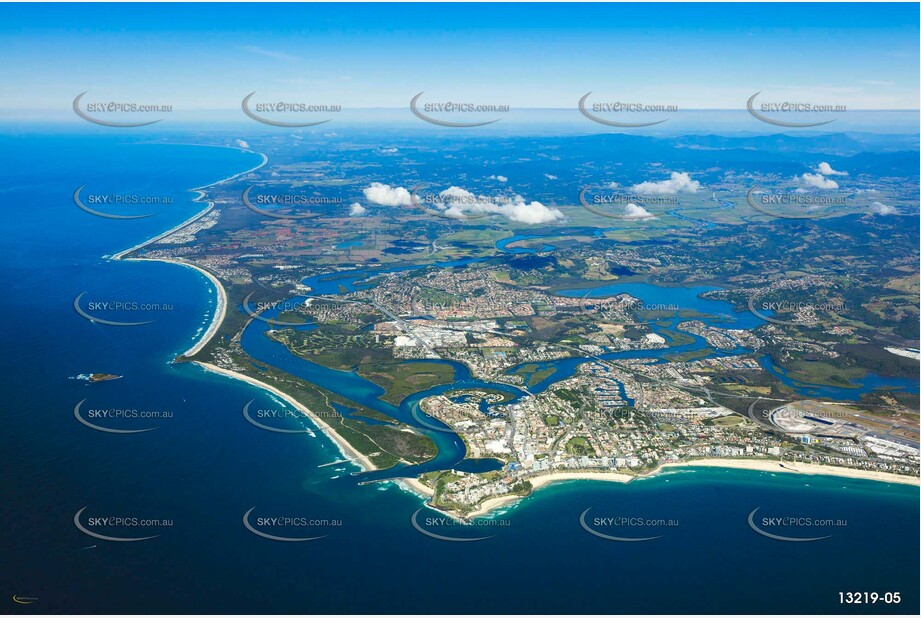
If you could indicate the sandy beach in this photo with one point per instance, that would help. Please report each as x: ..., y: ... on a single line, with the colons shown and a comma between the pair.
x: 416, y: 487
x: 201, y: 195
x: 556, y: 477
x: 547, y: 479
x: 767, y: 465
x: 221, y: 310
x: 739, y: 464
x: 347, y: 450
x: 121, y: 254
x: 489, y: 505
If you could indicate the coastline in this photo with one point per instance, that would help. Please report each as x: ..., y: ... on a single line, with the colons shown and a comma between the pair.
x: 219, y: 312
x: 415, y: 487
x: 201, y: 195
x: 221, y: 309
x: 759, y: 465
x: 347, y: 450
x: 548, y: 479
x: 754, y: 465
x: 413, y: 484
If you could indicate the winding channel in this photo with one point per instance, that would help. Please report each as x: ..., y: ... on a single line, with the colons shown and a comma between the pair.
x: 451, y: 450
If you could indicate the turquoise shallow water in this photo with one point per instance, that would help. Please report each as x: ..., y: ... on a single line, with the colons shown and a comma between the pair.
x: 204, y: 467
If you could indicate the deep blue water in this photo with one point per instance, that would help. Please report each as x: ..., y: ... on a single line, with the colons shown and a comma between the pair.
x: 718, y: 312
x: 206, y: 466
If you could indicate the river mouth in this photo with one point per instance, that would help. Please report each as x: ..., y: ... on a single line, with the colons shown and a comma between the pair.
x: 452, y: 453
x: 536, y: 377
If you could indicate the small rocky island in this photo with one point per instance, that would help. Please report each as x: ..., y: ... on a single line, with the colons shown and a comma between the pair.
x: 96, y: 377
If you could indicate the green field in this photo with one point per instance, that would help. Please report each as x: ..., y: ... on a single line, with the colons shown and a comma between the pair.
x: 401, y: 379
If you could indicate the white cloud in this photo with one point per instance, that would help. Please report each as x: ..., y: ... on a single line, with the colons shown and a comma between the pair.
x: 817, y: 181
x: 533, y: 212
x: 551, y: 177
x: 826, y: 170
x: 882, y: 209
x: 458, y: 202
x: 499, y: 178
x: 861, y: 191
x: 680, y: 182
x: 385, y: 195
x: 269, y: 53
x: 356, y: 210
x: 389, y: 150
x: 612, y: 185
x: 456, y: 194
x: 633, y: 211
x: 242, y: 144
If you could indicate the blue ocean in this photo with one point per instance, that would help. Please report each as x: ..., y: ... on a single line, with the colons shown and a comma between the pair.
x: 202, y: 467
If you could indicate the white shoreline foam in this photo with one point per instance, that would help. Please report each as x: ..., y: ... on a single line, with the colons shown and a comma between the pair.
x: 414, y: 485
x: 345, y: 449
x: 221, y: 309
x: 490, y: 505
x: 201, y: 194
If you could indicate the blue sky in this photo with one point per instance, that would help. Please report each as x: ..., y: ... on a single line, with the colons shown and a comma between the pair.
x: 543, y: 55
